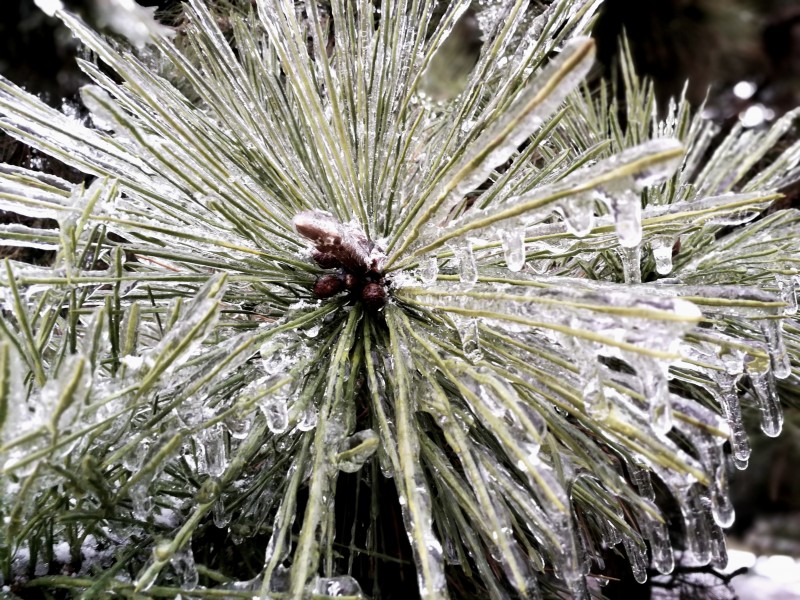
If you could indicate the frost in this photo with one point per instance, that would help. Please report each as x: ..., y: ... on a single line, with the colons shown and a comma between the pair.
x: 127, y: 18
x: 50, y: 7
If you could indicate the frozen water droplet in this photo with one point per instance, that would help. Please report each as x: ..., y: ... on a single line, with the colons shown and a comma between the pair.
x: 239, y: 427
x: 276, y: 412
x: 429, y: 268
x: 578, y: 213
x: 740, y: 444
x: 696, y: 526
x: 514, y: 247
x: 313, y: 331
x: 308, y: 418
x: 662, y: 254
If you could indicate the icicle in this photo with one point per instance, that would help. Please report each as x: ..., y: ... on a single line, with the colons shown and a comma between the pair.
x: 729, y: 399
x: 626, y: 208
x: 214, y: 449
x: 222, y: 518
x: 276, y: 412
x: 721, y: 506
x: 771, y: 414
x: 788, y: 293
x: 631, y: 263
x: 470, y: 338
x: 698, y: 534
x: 595, y: 401
x: 141, y: 500
x: 428, y: 268
x: 513, y: 240
x: 658, y: 536
x: 636, y: 558
x: 641, y: 478
x: 467, y: 268
x: 653, y: 375
x: 578, y: 213
x: 662, y: 253
x: 778, y: 356
x: 183, y: 563
x: 719, y: 553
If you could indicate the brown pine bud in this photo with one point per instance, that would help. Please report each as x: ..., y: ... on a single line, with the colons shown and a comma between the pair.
x: 328, y: 285
x: 373, y: 296
x: 326, y: 260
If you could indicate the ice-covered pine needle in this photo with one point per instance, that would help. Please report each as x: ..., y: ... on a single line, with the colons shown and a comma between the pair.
x: 302, y: 303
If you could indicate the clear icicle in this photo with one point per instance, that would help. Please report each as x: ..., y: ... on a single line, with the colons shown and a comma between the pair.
x: 768, y: 402
x: 729, y: 399
x: 641, y: 478
x: 467, y: 267
x: 653, y: 375
x: 662, y: 254
x: 513, y: 240
x: 636, y: 558
x: 578, y: 213
x: 788, y: 292
x: 658, y: 536
x: 626, y: 209
x: 470, y: 338
x: 631, y: 263
x: 721, y: 506
x: 276, y: 411
x: 183, y: 564
x: 214, y: 449
x: 719, y: 553
x: 778, y: 356
x: 698, y: 534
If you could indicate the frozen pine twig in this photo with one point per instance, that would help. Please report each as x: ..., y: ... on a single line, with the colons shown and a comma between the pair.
x: 306, y: 303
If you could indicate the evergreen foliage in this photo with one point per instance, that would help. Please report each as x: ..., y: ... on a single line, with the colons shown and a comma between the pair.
x: 302, y: 304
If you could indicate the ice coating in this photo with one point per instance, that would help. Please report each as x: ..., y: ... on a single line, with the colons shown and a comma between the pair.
x: 477, y: 383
